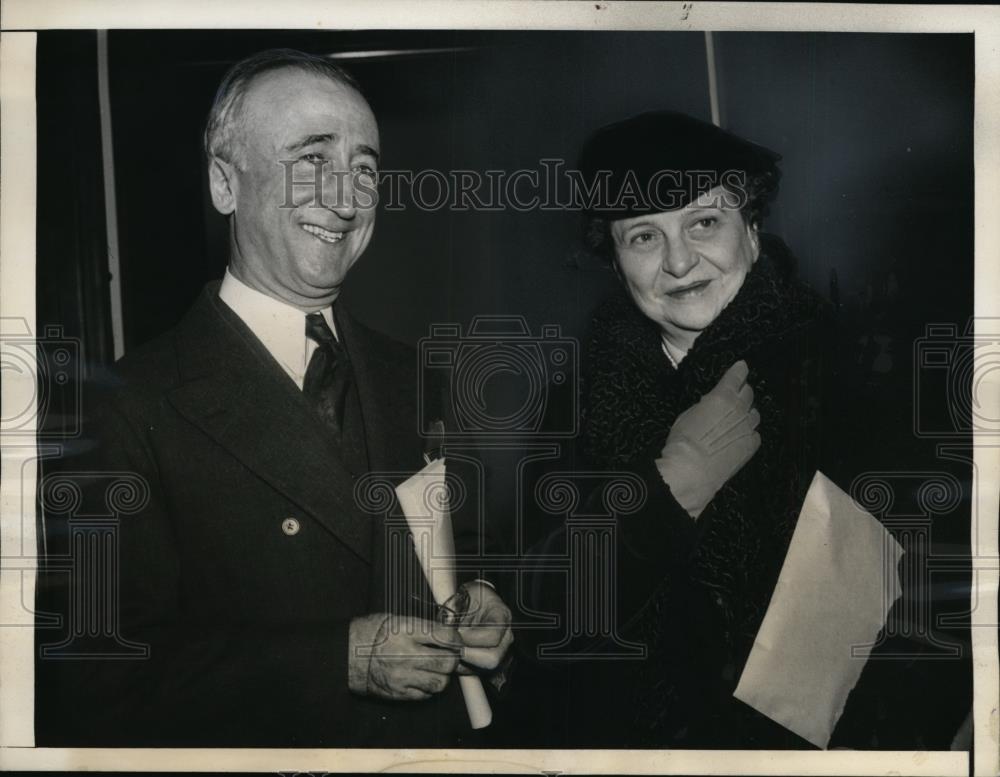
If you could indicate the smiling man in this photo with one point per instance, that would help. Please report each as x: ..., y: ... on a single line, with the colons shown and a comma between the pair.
x: 273, y: 610
x: 320, y: 130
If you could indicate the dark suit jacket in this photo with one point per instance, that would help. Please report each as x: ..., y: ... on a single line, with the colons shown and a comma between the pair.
x: 245, y: 618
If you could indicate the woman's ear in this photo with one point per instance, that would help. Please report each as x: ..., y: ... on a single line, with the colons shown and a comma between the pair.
x: 617, y: 268
x: 752, y: 231
x: 223, y: 184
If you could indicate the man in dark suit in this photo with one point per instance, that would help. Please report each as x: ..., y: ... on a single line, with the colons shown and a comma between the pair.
x: 255, y: 602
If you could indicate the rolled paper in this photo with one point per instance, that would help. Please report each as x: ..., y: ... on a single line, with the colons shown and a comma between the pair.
x: 424, y: 500
x: 476, y: 703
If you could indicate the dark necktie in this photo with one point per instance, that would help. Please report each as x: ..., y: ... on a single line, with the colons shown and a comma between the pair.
x: 329, y: 386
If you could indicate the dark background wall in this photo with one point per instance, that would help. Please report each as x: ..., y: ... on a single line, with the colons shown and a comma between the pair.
x: 875, y: 130
x: 876, y: 133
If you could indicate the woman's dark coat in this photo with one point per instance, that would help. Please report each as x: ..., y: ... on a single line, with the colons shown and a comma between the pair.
x: 695, y: 592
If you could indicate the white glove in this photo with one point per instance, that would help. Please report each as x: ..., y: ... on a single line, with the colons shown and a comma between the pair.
x: 711, y: 441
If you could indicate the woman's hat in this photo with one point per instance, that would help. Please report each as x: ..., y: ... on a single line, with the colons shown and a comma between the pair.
x: 662, y: 160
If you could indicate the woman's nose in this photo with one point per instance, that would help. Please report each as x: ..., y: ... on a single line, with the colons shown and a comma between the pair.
x: 678, y: 259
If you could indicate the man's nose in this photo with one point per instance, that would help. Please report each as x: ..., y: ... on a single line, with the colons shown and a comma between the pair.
x: 678, y: 258
x: 338, y: 193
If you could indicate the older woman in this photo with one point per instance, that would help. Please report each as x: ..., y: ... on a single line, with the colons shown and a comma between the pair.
x: 702, y: 377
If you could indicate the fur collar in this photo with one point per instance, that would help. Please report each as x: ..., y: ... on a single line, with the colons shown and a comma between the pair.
x: 634, y: 394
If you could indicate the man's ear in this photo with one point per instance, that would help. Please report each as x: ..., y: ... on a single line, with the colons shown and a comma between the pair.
x: 223, y: 184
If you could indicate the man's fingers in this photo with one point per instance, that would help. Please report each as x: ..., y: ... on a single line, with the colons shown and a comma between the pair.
x: 443, y: 664
x: 482, y: 658
x: 438, y: 635
x: 416, y: 646
x: 488, y: 627
x: 414, y: 659
x: 482, y: 636
x: 488, y: 658
x: 421, y: 658
x: 506, y: 642
x: 410, y: 694
x: 428, y: 682
x: 410, y: 683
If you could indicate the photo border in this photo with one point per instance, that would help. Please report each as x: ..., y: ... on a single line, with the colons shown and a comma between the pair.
x: 20, y: 21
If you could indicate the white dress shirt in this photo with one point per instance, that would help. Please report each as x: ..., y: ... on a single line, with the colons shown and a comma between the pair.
x: 279, y: 326
x: 282, y: 329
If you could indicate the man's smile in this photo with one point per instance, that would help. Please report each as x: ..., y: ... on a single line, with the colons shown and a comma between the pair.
x: 323, y: 234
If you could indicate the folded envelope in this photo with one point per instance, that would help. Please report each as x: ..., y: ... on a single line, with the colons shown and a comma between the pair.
x: 836, y: 587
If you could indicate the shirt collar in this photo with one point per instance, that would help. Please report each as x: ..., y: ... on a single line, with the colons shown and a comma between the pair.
x: 673, y: 353
x: 279, y: 326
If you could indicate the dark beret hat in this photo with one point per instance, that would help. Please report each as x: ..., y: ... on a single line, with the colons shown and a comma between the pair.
x: 663, y: 160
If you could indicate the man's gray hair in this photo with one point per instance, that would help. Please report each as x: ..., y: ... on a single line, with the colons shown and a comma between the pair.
x: 225, y: 119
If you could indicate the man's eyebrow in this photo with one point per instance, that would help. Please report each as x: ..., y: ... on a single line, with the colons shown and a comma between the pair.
x: 326, y: 137
x: 309, y: 140
x: 368, y: 150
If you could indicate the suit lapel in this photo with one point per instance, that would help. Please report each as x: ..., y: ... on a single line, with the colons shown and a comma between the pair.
x: 387, y: 384
x: 387, y: 390
x: 234, y: 391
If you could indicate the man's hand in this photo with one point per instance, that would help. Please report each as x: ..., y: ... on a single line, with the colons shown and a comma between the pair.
x: 484, y: 629
x: 401, y: 658
x: 711, y: 441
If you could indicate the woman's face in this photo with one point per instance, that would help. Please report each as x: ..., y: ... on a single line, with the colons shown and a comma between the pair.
x: 682, y: 267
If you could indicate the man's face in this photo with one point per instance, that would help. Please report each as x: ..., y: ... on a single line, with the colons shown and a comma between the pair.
x: 297, y: 243
x: 683, y: 267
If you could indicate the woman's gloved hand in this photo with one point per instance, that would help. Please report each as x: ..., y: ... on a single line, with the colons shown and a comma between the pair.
x: 711, y: 441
